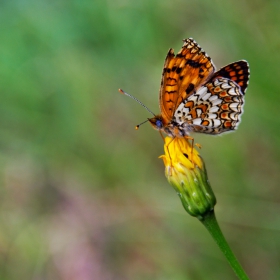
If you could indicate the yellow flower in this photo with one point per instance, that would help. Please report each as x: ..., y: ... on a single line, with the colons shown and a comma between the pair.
x: 185, y: 171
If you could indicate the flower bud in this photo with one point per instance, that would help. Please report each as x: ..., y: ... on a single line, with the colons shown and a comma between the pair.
x: 185, y: 171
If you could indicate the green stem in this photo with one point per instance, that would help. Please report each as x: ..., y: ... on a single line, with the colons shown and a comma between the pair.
x: 210, y: 222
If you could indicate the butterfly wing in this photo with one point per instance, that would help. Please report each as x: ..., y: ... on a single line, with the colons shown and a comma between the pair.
x: 216, y: 107
x: 182, y: 75
x: 237, y: 72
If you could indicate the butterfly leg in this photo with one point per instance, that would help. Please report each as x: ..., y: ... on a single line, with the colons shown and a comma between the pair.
x: 161, y: 135
x: 168, y: 143
x: 168, y: 149
x: 198, y: 145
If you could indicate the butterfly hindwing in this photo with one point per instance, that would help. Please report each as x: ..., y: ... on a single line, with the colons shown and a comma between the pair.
x: 214, y: 108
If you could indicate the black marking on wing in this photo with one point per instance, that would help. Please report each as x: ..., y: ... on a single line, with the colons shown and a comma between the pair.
x: 190, y: 88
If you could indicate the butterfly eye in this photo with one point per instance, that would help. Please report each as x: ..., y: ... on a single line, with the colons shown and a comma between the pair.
x: 159, y: 124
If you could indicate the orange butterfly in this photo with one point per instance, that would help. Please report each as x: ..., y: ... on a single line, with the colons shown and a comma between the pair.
x: 195, y: 98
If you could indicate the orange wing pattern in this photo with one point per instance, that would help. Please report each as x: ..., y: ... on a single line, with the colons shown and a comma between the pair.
x: 182, y: 75
x: 238, y: 72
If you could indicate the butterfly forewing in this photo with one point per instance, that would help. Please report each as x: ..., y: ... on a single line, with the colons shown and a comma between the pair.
x: 237, y: 72
x: 182, y: 75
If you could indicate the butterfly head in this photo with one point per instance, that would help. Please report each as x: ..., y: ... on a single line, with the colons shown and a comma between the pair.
x: 157, y: 122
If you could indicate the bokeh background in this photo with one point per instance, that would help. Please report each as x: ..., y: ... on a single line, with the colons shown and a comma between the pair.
x: 83, y: 195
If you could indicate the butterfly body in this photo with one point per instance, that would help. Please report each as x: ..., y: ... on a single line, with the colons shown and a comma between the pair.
x: 195, y: 98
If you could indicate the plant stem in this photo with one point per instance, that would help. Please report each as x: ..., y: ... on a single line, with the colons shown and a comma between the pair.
x: 210, y: 222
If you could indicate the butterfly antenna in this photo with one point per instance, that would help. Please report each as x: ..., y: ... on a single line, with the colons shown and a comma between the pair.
x: 125, y: 93
x: 137, y: 126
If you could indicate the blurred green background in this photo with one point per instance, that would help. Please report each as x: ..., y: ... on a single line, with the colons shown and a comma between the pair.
x: 83, y: 195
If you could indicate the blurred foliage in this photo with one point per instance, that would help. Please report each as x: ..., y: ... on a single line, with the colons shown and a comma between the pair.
x: 83, y: 195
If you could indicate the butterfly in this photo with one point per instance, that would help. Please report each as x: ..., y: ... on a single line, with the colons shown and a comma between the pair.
x: 195, y: 98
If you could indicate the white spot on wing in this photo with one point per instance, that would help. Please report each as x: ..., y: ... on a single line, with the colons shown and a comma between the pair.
x: 198, y: 112
x: 234, y: 106
x: 213, y: 97
x: 201, y: 92
x: 214, y: 109
x: 216, y: 82
x: 193, y: 98
x: 232, y: 91
x: 206, y: 96
x: 225, y: 86
x: 217, y: 102
x: 180, y: 108
x: 186, y: 110
x: 216, y: 122
x: 197, y: 121
x: 234, y: 116
x: 212, y: 116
